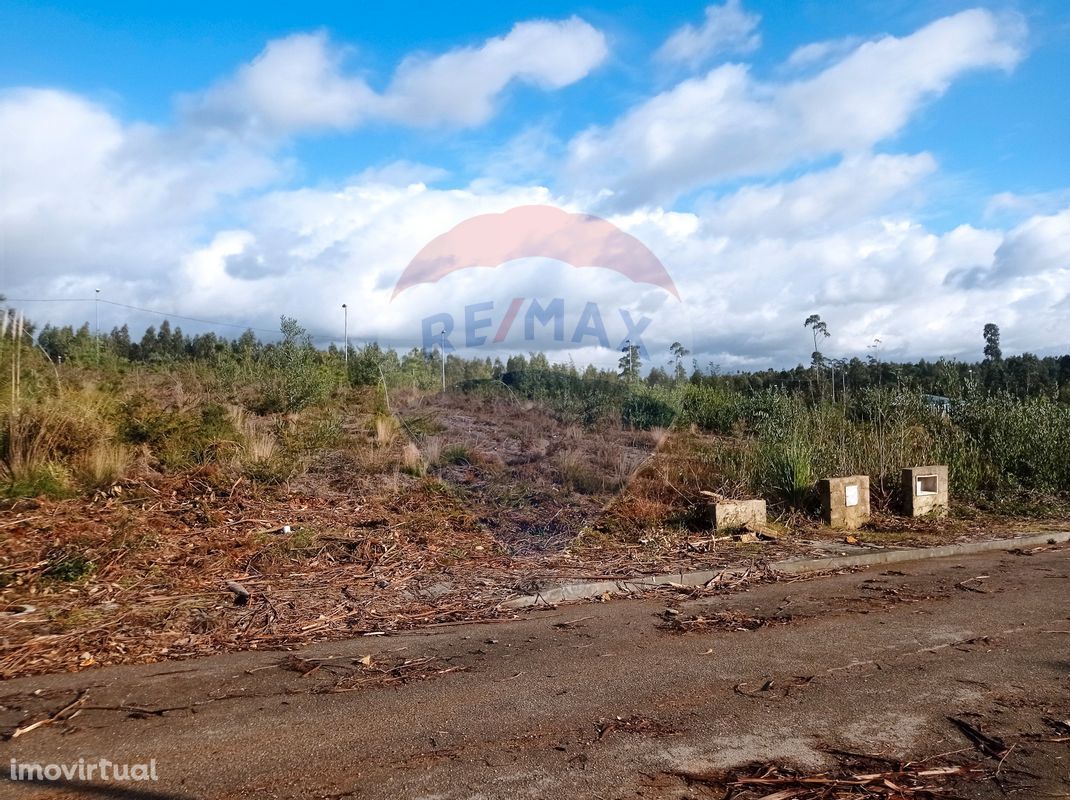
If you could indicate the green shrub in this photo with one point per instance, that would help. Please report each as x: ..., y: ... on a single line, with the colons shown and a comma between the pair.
x: 292, y: 374
x: 569, y: 397
x: 275, y: 470
x: 179, y: 439
x: 646, y: 409
x: 711, y: 408
x: 38, y: 443
x: 456, y: 454
x: 1026, y: 442
x: 788, y: 470
x: 68, y: 567
x: 44, y: 480
x: 991, y: 443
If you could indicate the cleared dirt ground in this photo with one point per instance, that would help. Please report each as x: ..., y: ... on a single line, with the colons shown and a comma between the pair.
x: 507, y: 499
x: 667, y: 697
x: 534, y: 481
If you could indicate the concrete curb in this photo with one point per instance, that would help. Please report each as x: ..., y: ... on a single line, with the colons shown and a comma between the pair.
x: 582, y: 591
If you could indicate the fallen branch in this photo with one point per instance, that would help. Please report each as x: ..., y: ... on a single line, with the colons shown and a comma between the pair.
x: 241, y: 594
x: 990, y: 746
x: 59, y: 716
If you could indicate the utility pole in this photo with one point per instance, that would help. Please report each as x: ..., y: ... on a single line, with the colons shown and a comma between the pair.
x: 345, y: 328
x: 442, y: 354
x: 96, y: 323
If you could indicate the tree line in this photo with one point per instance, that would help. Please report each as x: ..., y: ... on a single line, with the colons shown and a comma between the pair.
x: 1024, y: 375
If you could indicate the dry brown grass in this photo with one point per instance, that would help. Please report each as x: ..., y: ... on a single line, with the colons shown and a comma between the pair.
x: 658, y: 437
x: 412, y: 460
x: 384, y: 430
x: 29, y: 441
x: 577, y: 473
x: 40, y: 441
x: 259, y: 441
x: 104, y: 465
x: 432, y: 451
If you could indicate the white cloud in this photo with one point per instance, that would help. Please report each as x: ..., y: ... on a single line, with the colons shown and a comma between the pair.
x: 872, y: 273
x: 298, y: 83
x: 1024, y: 205
x: 460, y: 87
x: 829, y: 199
x: 1039, y: 245
x: 295, y: 83
x: 401, y: 173
x: 818, y: 52
x: 726, y: 29
x: 85, y: 195
x: 870, y: 269
x: 728, y: 124
x: 187, y: 219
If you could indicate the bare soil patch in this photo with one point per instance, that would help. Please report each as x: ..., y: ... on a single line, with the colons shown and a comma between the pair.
x: 533, y: 481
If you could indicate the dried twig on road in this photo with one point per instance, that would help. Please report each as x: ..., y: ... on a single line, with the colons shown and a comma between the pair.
x: 773, y: 782
x: 990, y: 746
x: 965, y: 585
x: 728, y: 620
x: 67, y: 711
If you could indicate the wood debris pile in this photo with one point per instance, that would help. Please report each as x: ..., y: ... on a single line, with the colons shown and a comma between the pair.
x: 188, y: 565
x: 910, y: 781
x: 728, y: 620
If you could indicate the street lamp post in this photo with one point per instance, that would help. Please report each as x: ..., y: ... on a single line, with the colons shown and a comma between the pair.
x: 442, y: 356
x: 345, y: 329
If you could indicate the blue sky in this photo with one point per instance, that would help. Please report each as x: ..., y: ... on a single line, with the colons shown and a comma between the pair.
x: 1002, y: 134
x: 951, y: 119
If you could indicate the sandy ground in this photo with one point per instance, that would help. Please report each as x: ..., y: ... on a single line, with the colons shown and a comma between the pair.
x: 656, y: 697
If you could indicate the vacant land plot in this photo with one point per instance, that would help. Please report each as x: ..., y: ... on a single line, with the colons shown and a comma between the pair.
x: 532, y: 480
x: 360, y: 522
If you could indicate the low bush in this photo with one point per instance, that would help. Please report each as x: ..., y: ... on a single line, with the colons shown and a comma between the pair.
x: 457, y: 454
x: 992, y: 444
x: 179, y: 439
x: 577, y: 474
x: 68, y: 567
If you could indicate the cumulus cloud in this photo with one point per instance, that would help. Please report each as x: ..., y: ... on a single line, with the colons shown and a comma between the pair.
x: 728, y: 124
x: 872, y: 269
x: 726, y: 29
x: 295, y: 83
x: 1013, y: 204
x: 1039, y: 245
x: 299, y: 83
x: 823, y: 200
x: 876, y: 273
x: 186, y: 219
x: 460, y: 87
x: 84, y: 194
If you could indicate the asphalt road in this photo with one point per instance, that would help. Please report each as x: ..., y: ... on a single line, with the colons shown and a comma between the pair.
x: 611, y: 699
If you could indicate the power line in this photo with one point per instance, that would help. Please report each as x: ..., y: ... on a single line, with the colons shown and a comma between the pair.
x: 154, y: 311
x: 139, y: 308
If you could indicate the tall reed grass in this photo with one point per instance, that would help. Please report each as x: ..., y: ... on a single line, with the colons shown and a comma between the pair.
x: 991, y: 443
